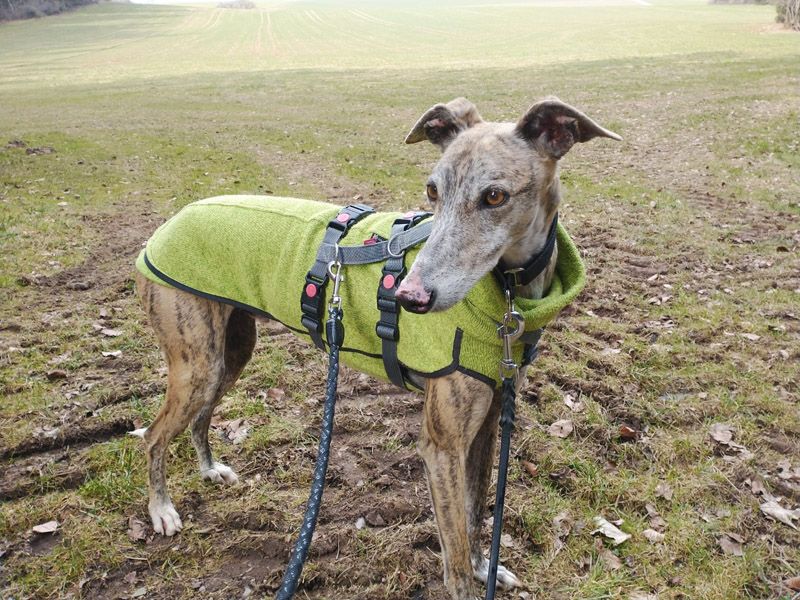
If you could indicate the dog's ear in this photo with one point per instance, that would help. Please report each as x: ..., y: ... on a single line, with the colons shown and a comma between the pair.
x: 554, y: 127
x: 443, y: 122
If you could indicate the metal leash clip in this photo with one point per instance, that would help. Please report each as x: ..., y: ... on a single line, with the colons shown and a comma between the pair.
x: 512, y: 327
x: 338, y: 278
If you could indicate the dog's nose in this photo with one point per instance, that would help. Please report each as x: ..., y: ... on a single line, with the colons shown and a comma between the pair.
x: 413, y: 296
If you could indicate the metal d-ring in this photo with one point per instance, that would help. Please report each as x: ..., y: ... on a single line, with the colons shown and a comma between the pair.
x: 389, y: 248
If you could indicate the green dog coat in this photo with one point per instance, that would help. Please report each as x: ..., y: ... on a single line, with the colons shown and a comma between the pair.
x: 254, y: 252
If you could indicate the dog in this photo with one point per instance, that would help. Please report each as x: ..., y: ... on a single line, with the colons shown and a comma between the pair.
x: 494, y: 193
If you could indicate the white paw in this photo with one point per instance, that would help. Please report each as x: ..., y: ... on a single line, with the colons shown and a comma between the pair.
x: 138, y: 432
x: 220, y: 473
x: 165, y: 518
x: 506, y: 580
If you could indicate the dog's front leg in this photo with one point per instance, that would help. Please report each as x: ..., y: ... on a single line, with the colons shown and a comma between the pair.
x: 455, y: 410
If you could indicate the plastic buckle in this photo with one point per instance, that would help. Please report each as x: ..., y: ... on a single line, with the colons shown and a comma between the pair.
x: 387, y: 331
x: 311, y: 323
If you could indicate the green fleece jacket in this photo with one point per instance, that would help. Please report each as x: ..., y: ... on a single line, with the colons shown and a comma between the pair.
x: 254, y: 252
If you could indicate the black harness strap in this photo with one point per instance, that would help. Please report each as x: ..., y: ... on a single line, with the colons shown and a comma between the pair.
x: 313, y: 299
x: 387, y: 327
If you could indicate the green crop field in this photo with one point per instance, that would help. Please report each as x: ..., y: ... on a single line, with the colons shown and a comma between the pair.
x: 114, y: 116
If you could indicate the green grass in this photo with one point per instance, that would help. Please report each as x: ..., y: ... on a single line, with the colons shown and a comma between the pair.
x: 151, y: 107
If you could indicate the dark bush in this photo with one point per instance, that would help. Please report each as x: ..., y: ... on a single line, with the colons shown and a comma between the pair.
x: 28, y: 9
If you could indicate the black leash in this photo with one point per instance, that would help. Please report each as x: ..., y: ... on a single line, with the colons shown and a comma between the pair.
x: 335, y: 332
x: 510, y: 330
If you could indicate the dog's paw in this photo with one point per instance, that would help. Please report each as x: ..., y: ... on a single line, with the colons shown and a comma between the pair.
x: 220, y: 473
x: 506, y: 580
x: 165, y: 518
x: 138, y: 432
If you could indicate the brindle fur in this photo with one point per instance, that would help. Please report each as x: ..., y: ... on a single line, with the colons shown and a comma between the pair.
x: 207, y: 344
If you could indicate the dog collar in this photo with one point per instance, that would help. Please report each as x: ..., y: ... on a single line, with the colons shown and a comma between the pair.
x: 512, y: 277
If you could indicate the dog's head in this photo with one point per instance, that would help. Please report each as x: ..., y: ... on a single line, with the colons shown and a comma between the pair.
x: 494, y: 189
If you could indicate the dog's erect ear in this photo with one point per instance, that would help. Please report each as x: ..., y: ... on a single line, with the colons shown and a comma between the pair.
x: 443, y: 122
x: 554, y: 127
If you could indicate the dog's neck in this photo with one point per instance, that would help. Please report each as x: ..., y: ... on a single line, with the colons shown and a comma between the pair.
x: 534, y: 240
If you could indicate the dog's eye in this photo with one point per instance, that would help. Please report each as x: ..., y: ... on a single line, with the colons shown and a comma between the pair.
x: 433, y: 193
x: 494, y: 197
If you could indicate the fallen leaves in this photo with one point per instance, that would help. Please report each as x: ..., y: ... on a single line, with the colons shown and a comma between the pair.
x: 656, y: 521
x: 731, y: 544
x: 562, y: 526
x: 574, y: 405
x: 777, y: 512
x: 608, y: 559
x: 235, y: 430
x: 49, y: 527
x: 561, y: 428
x: 137, y: 530
x: 663, y: 490
x: 722, y: 433
x: 610, y: 530
x: 653, y: 536
x: 531, y: 468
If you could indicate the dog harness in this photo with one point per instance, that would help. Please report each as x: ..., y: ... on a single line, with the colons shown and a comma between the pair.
x: 270, y: 255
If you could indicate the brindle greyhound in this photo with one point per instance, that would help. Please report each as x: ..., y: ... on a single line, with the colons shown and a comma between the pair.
x: 495, y: 192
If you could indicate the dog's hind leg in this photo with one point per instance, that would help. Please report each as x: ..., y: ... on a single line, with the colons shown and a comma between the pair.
x: 240, y: 339
x: 479, y: 475
x: 455, y: 410
x: 192, y: 334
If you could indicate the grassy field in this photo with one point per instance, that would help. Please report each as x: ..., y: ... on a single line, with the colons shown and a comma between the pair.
x: 115, y: 116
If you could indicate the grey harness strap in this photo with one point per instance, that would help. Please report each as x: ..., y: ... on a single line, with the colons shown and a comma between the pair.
x: 394, y: 247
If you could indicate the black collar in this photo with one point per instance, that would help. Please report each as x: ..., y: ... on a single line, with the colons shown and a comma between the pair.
x: 511, y: 277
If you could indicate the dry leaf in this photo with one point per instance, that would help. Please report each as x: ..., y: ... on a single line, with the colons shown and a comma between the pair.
x: 112, y: 354
x: 275, y: 393
x: 731, y: 544
x: 562, y: 524
x: 573, y: 404
x: 793, y: 583
x: 236, y: 430
x: 506, y: 541
x: 653, y: 536
x: 609, y: 559
x: 751, y: 336
x: 111, y: 332
x: 130, y: 578
x: 531, y: 468
x: 610, y: 531
x: 48, y: 527
x: 777, y: 512
x: 663, y: 490
x: 786, y: 472
x: 561, y: 428
x: 627, y: 433
x: 722, y: 433
x: 758, y: 488
x: 137, y: 530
